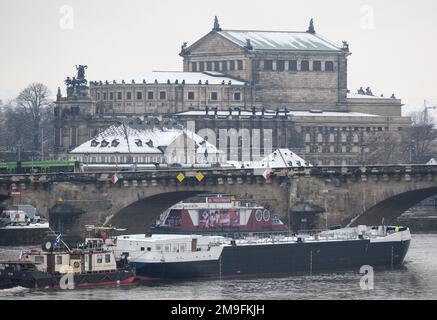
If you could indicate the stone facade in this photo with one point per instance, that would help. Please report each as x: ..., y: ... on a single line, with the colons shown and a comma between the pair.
x: 360, y: 194
x: 225, y: 71
x: 278, y: 78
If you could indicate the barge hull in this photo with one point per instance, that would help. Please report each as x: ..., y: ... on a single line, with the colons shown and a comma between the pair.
x: 279, y: 259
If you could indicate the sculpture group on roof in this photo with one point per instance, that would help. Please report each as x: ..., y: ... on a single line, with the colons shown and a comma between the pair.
x: 80, y: 79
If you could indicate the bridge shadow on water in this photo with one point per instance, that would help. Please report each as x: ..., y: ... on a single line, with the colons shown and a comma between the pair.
x: 139, y: 216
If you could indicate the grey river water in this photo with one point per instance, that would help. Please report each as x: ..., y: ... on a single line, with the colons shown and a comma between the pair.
x: 417, y: 279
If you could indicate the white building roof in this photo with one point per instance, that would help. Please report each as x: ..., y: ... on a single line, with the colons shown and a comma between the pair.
x: 125, y: 139
x: 162, y: 77
x: 280, y: 40
x: 270, y: 113
x: 432, y: 162
x: 281, y: 158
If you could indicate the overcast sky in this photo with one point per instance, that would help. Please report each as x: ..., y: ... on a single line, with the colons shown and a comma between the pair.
x: 393, y: 42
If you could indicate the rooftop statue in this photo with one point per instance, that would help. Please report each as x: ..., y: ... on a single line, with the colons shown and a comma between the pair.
x: 184, y: 50
x: 216, y: 25
x: 79, y: 80
x: 311, y: 28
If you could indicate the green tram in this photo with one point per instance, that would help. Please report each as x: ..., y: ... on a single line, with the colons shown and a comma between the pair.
x: 39, y: 167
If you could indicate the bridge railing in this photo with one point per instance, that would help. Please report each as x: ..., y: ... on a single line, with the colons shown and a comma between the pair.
x: 222, y: 172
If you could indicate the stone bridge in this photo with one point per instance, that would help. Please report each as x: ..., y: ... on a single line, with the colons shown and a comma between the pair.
x: 350, y: 195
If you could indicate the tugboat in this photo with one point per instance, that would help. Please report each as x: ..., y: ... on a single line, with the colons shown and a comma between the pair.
x: 52, y: 267
x: 21, y: 225
x: 198, y: 256
x: 221, y: 215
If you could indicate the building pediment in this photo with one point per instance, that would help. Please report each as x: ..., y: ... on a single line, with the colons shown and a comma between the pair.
x: 213, y: 43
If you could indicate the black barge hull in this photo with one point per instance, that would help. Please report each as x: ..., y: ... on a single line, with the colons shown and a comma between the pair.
x: 40, y: 280
x: 279, y: 259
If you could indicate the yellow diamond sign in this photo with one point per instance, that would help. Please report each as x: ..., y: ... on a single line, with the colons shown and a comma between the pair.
x: 180, y: 177
x: 200, y: 176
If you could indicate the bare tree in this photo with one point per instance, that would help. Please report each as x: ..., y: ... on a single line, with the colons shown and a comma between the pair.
x: 32, y: 104
x: 382, y: 148
x: 418, y: 139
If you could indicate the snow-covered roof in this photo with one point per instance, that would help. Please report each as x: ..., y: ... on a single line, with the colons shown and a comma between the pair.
x: 432, y: 162
x: 280, y: 40
x: 125, y: 139
x: 281, y: 158
x: 163, y: 77
x: 270, y: 113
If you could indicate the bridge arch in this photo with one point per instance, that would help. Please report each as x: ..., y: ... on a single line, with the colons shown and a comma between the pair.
x: 138, y: 216
x: 392, y: 207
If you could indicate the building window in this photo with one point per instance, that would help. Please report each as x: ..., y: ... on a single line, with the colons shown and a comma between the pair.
x: 214, y: 96
x: 99, y: 258
x: 58, y: 259
x: 305, y: 65
x: 194, y: 66
x: 98, y: 95
x: 150, y: 95
x: 317, y: 66
x: 202, y: 66
x: 128, y: 95
x: 329, y: 66
x: 119, y: 95
x: 111, y: 96
x: 280, y: 65
x: 139, y: 95
x: 191, y: 95
x: 292, y: 65
x: 104, y: 95
x: 224, y: 65
x: 237, y: 96
x: 107, y: 258
x: 268, y: 65
x: 209, y: 66
x: 162, y: 95
x: 240, y: 64
x: 216, y: 66
x: 232, y: 67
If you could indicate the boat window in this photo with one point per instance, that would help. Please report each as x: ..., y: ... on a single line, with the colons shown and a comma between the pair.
x: 158, y: 247
x: 149, y: 249
x: 174, y: 219
x: 39, y: 259
x: 276, y: 220
x: 99, y: 258
x: 142, y: 248
x: 167, y: 248
x: 266, y: 215
x: 258, y: 215
x: 108, y: 258
x: 58, y: 259
x: 175, y: 248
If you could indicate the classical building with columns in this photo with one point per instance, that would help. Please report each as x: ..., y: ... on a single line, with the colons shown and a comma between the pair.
x: 292, y: 84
